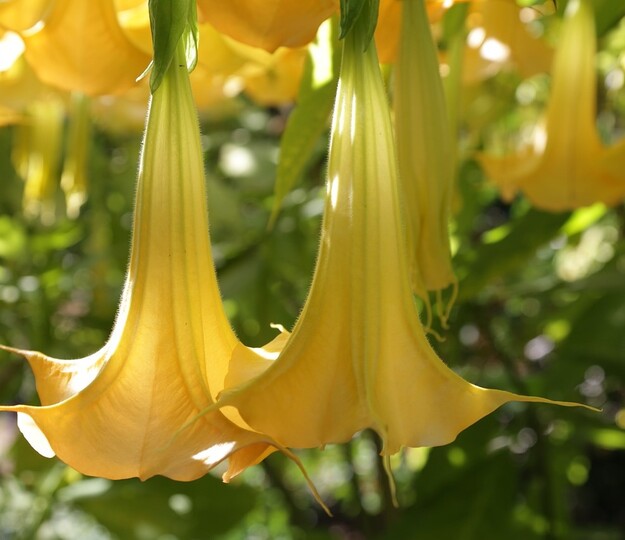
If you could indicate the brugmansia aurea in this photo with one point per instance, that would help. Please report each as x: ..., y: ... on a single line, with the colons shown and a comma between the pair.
x: 36, y: 156
x: 117, y: 413
x: 567, y: 166
x: 76, y: 45
x: 358, y: 356
x: 425, y: 155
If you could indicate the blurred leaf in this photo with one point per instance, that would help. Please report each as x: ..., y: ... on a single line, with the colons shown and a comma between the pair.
x: 607, y: 14
x: 476, y: 505
x: 598, y: 332
x: 498, y: 259
x: 305, y: 126
x: 159, y: 506
x: 12, y: 238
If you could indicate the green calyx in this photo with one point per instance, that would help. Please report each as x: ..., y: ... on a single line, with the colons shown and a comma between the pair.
x: 171, y: 22
x: 364, y: 11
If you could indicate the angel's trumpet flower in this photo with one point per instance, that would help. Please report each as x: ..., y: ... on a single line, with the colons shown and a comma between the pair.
x: 498, y: 39
x: 358, y: 356
x: 118, y: 412
x: 269, y: 24
x: 78, y: 45
x: 425, y: 154
x: 74, y: 177
x: 567, y: 165
x: 36, y: 156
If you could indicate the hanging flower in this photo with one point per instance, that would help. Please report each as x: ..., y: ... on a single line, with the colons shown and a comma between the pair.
x: 425, y: 155
x: 76, y: 45
x: 567, y: 165
x: 226, y: 66
x: 358, y: 357
x: 74, y: 176
x: 19, y: 87
x: 36, y: 155
x: 503, y: 36
x: 269, y: 24
x: 117, y: 413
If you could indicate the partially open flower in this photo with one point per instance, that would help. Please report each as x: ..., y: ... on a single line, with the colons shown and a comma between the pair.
x: 426, y: 154
x: 117, y: 413
x: 358, y: 356
x: 567, y: 165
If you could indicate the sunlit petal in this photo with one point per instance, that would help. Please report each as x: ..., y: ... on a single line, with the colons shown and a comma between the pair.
x: 269, y: 24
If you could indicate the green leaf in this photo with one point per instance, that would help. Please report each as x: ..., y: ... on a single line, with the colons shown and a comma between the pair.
x: 170, y: 22
x: 454, y: 21
x: 352, y: 10
x: 134, y: 509
x: 464, y: 492
x: 305, y: 125
x: 497, y: 259
x: 594, y: 334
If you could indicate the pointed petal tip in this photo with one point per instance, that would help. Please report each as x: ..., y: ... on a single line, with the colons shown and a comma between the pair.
x: 547, y: 401
x: 14, y: 350
x: 25, y: 353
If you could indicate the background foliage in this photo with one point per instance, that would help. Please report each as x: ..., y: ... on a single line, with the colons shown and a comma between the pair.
x: 541, y: 311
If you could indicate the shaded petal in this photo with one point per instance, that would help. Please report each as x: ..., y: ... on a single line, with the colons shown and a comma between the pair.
x: 276, y: 81
x: 389, y: 24
x: 425, y: 152
x: 507, y: 171
x: 269, y: 24
x: 21, y: 15
x: 79, y: 47
x: 36, y: 156
x: 498, y: 39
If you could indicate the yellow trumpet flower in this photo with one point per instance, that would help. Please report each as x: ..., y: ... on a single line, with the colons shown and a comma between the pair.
x: 115, y: 413
x: 270, y: 79
x: 80, y: 46
x: 19, y: 87
x: 269, y: 24
x: 36, y: 155
x: 358, y: 356
x: 425, y: 155
x: 567, y: 165
x: 226, y: 66
x: 74, y: 176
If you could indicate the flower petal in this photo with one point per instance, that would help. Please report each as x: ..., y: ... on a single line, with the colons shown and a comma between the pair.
x: 79, y: 47
x: 269, y: 24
